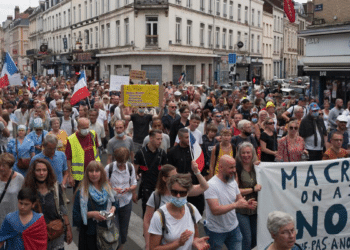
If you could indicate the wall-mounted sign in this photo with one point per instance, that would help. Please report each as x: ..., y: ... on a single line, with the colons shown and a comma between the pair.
x: 318, y: 7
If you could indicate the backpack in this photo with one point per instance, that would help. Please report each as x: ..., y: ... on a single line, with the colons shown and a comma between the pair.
x: 157, y: 197
x: 111, y: 166
x: 163, y: 221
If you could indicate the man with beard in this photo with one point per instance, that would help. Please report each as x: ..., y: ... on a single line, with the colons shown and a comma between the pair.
x: 222, y: 199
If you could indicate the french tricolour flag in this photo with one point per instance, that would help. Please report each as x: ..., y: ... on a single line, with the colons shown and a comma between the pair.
x: 196, y: 151
x: 80, y: 90
x: 33, y: 82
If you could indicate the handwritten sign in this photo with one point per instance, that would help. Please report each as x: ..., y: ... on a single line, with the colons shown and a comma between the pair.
x: 315, y: 193
x: 138, y: 75
x: 50, y: 71
x: 117, y: 82
x: 142, y: 95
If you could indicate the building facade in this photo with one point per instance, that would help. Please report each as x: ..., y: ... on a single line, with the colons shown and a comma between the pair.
x: 327, y: 54
x: 267, y: 45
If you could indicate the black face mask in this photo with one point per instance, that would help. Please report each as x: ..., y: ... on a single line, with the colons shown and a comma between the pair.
x: 247, y: 133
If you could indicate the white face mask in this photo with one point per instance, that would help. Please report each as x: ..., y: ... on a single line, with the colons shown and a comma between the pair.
x: 84, y: 132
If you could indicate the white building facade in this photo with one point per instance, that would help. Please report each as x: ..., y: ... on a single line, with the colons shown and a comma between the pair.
x: 267, y: 45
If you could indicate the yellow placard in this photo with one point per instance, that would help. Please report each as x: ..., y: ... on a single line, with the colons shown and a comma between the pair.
x: 141, y: 95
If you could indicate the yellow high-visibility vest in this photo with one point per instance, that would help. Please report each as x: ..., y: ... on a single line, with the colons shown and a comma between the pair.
x: 78, y: 155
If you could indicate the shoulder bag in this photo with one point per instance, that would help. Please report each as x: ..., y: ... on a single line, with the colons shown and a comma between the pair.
x: 6, y: 186
x: 22, y: 163
x: 55, y: 228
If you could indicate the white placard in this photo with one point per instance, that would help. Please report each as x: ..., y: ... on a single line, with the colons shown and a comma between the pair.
x: 123, y: 71
x: 117, y: 82
x: 15, y: 80
x: 314, y: 193
x: 50, y: 71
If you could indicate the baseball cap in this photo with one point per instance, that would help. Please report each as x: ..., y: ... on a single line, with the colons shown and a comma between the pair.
x: 177, y: 93
x: 314, y: 106
x: 38, y: 123
x: 342, y: 118
x: 270, y: 104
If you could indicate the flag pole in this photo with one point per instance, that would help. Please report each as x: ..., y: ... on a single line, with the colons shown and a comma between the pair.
x: 189, y: 138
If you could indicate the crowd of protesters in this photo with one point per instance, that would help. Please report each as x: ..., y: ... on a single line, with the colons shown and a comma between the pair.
x: 47, y: 145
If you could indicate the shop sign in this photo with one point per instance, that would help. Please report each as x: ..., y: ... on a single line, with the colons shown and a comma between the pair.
x: 318, y: 7
x: 323, y: 73
x: 313, y: 41
x: 83, y: 57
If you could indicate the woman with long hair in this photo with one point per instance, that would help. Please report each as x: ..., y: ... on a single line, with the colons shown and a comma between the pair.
x: 93, y: 195
x: 182, y: 230
x: 61, y: 135
x: 42, y: 180
x: 248, y: 186
x: 292, y: 146
x: 162, y: 195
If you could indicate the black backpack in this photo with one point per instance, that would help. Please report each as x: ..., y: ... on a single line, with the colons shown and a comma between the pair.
x: 163, y: 221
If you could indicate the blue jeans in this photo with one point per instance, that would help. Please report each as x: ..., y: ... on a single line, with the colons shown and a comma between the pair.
x: 248, y: 227
x: 232, y: 239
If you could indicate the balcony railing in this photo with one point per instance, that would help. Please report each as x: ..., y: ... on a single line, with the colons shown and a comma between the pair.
x: 156, y: 4
x: 151, y: 40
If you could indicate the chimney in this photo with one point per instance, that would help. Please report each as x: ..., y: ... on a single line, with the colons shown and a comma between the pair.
x: 9, y: 18
x: 16, y: 12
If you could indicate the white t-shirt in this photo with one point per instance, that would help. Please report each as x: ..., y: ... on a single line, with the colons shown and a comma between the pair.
x: 163, y: 200
x: 67, y: 126
x: 226, y: 193
x: 102, y: 116
x: 100, y: 131
x: 121, y: 179
x: 175, y: 226
x: 197, y: 134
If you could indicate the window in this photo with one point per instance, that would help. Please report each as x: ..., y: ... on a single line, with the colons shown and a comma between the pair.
x: 210, y: 6
x: 126, y: 28
x: 258, y: 44
x: 91, y: 40
x: 79, y: 13
x: 224, y: 38
x: 189, y: 4
x: 90, y: 13
x: 202, y: 4
x: 60, y: 20
x: 57, y: 23
x: 107, y: 9
x: 96, y: 37
x: 278, y: 24
x: 69, y: 42
x: 126, y: 2
x: 152, y: 30
x: 278, y: 45
x: 86, y: 36
x: 239, y: 13
x: 86, y: 10
x: 225, y: 8
x: 217, y: 7
x: 274, y: 23
x: 53, y: 22
x: 231, y: 10
x: 201, y: 34
x: 103, y: 36
x: 230, y: 39
x: 246, y: 14
x: 178, y: 30
x: 245, y: 41
x: 117, y: 4
x: 64, y: 19
x: 96, y: 7
x: 189, y: 32
x: 118, y: 32
x: 259, y: 22
x: 108, y: 31
x: 69, y: 18
x: 217, y: 37
x: 210, y: 30
x: 102, y: 6
x: 74, y: 39
x: 252, y: 44
x: 253, y: 17
x: 274, y: 44
x: 239, y: 37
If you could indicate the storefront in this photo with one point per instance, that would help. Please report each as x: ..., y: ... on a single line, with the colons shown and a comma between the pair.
x: 86, y: 61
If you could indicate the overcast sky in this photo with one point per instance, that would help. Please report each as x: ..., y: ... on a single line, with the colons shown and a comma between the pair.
x: 7, y: 7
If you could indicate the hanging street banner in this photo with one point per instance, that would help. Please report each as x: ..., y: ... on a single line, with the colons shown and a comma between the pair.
x: 142, y: 95
x: 315, y: 193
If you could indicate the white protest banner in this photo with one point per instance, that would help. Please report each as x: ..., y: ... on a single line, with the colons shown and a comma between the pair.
x: 315, y: 193
x: 15, y: 80
x: 50, y: 71
x: 117, y: 81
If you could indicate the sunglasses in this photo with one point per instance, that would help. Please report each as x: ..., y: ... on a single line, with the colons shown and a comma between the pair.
x: 295, y: 128
x: 176, y: 192
x: 172, y: 107
x: 218, y: 116
x: 270, y: 123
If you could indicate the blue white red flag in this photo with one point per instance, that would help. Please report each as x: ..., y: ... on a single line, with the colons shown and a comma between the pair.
x: 181, y: 77
x: 80, y: 90
x: 9, y: 66
x: 196, y: 151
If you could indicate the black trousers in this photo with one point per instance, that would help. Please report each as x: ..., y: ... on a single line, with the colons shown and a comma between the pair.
x: 146, y: 193
x: 315, y: 155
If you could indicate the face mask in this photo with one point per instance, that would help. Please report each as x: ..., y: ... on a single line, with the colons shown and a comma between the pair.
x: 314, y: 114
x: 120, y: 135
x: 178, y: 202
x: 142, y: 110
x: 247, y: 133
x: 254, y: 120
x: 84, y: 132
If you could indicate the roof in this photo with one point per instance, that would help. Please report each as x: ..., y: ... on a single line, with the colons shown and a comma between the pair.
x: 325, y: 30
